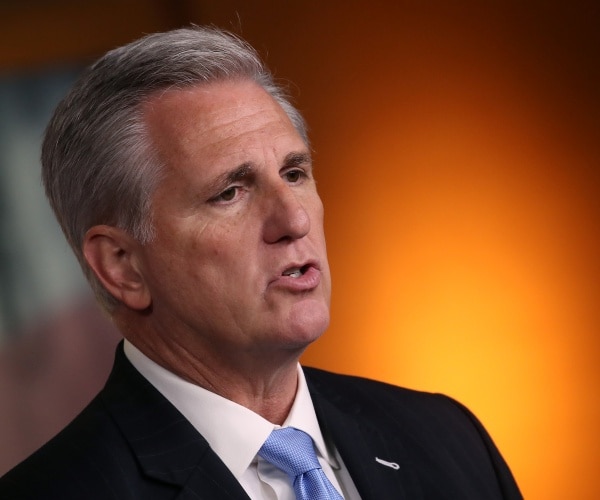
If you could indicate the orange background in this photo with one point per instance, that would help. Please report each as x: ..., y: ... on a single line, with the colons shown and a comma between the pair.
x: 457, y: 152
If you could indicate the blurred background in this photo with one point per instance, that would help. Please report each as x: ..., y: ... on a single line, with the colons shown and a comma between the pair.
x: 457, y: 149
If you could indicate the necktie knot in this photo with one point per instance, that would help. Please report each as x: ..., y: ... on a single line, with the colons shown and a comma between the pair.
x: 292, y: 451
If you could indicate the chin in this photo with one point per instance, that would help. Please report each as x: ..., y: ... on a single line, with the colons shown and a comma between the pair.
x: 307, y: 324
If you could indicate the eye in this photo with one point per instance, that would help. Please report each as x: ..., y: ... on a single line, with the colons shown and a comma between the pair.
x: 294, y: 176
x: 228, y: 195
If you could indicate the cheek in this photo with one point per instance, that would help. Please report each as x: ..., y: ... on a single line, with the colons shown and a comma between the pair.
x: 317, y: 211
x: 193, y: 244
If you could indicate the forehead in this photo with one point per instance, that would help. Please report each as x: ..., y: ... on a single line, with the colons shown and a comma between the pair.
x: 223, y: 120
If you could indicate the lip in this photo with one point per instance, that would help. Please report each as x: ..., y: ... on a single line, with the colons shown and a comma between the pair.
x: 309, y: 280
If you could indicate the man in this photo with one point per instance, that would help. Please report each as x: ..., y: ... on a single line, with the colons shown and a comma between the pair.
x: 182, y: 178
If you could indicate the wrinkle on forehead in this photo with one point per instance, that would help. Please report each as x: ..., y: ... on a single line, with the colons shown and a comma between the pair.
x: 216, y: 116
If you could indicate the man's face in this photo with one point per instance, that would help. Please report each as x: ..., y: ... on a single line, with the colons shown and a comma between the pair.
x: 239, y: 261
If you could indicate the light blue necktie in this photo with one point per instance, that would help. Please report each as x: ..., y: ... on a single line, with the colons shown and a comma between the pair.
x: 292, y: 451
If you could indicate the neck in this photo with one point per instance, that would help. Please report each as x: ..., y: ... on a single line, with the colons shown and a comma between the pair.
x: 265, y: 383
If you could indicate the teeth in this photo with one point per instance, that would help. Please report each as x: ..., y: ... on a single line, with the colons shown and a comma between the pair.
x: 293, y: 273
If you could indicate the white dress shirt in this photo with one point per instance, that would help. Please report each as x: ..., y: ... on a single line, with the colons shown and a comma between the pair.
x: 236, y: 433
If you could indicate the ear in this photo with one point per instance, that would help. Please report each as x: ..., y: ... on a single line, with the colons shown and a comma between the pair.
x: 114, y: 257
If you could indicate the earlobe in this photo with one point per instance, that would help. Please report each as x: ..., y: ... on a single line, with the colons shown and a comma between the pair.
x: 113, y: 256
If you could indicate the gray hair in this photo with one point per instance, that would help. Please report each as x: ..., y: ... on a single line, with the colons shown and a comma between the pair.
x: 98, y: 163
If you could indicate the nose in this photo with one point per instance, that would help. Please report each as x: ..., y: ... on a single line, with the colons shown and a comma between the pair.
x: 287, y: 218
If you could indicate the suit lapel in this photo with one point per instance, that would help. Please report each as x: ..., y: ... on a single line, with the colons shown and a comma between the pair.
x: 377, y: 463
x: 168, y: 448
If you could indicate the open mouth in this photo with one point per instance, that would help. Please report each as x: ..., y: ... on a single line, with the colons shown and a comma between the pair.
x: 295, y: 272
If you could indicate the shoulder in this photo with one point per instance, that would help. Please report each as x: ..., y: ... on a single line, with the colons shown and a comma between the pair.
x: 438, y: 433
x: 92, y: 457
x: 417, y: 414
x: 364, y: 390
x: 77, y: 462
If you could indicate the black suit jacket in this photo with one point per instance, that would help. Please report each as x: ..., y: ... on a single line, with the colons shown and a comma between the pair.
x: 131, y: 443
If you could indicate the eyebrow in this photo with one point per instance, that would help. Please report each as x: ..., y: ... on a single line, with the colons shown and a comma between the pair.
x: 235, y: 175
x: 295, y: 159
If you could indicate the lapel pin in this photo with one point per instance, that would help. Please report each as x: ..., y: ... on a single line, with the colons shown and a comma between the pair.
x: 391, y: 465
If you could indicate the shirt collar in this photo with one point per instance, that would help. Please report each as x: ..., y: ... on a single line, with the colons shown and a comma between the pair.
x: 234, y: 432
x: 302, y: 416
